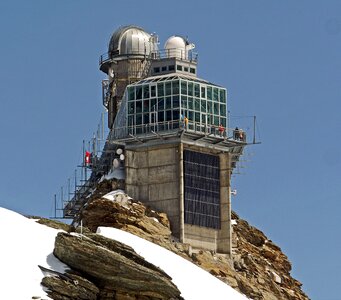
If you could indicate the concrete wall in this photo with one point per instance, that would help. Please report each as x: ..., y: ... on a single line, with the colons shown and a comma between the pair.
x: 152, y: 177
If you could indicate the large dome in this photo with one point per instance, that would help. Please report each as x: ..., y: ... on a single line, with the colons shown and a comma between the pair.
x: 131, y: 40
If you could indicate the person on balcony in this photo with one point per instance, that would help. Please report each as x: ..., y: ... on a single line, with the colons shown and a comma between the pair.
x: 221, y: 130
x: 186, y: 123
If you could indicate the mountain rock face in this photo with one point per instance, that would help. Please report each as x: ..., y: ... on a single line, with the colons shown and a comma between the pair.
x: 107, y: 269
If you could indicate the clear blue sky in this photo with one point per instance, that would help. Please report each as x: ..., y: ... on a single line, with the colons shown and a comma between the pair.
x: 279, y: 60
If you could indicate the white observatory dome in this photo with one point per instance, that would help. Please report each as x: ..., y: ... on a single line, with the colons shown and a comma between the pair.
x: 131, y: 40
x: 178, y: 46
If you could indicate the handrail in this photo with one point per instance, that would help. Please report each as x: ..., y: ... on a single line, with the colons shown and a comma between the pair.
x: 182, y: 54
x: 191, y: 126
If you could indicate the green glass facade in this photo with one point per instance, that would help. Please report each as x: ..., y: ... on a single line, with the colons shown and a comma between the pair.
x: 167, y: 101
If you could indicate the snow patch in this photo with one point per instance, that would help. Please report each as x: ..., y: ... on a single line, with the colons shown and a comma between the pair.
x: 24, y: 246
x: 193, y: 282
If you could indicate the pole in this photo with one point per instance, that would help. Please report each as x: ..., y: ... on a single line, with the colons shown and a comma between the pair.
x: 254, y: 129
x: 75, y: 196
x: 55, y: 206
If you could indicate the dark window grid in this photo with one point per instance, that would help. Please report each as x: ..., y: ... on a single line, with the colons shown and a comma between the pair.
x: 215, y: 94
x: 197, y: 90
x: 168, y: 88
x: 208, y: 198
x: 190, y: 89
x: 202, y: 222
x: 222, y: 96
x: 210, y: 210
x: 160, y: 90
x: 205, y: 211
x: 175, y: 87
x: 138, y: 92
x: 131, y: 92
x: 146, y: 91
x: 183, y: 87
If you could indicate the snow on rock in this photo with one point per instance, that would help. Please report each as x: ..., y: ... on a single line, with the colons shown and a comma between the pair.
x: 116, y: 195
x: 25, y: 244
x: 193, y: 282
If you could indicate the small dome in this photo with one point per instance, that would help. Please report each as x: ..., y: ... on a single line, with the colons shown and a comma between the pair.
x: 131, y: 40
x: 176, y: 42
x: 178, y: 46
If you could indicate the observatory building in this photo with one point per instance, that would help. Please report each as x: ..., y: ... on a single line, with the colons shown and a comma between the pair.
x: 173, y: 131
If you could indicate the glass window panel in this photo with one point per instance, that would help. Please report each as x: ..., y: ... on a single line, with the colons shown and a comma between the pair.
x: 179, y: 68
x: 196, y: 90
x: 164, y: 68
x: 209, y: 107
x: 153, y: 105
x: 168, y: 88
x: 203, y: 105
x: 176, y: 101
x: 183, y: 87
x: 190, y: 88
x: 145, y: 105
x: 209, y: 119
x: 175, y: 87
x: 215, y: 94
x: 216, y: 120
x: 146, y: 91
x: 197, y: 104
x: 138, y: 106
x: 131, y: 91
x: 222, y: 96
x: 216, y: 108
x: 176, y: 114
x: 203, y: 92
x: 131, y: 120
x: 192, y: 70
x: 184, y: 102
x: 131, y: 107
x: 190, y: 103
x: 139, y: 92
x: 146, y: 119
x: 223, y: 110
x: 171, y: 68
x: 190, y: 115
x: 223, y: 122
x: 168, y: 115
x: 138, y: 119
x: 160, y: 89
x: 186, y: 69
x: 152, y: 91
x: 197, y: 117
x: 161, y: 104
x: 168, y: 102
x: 161, y: 116
x: 209, y: 92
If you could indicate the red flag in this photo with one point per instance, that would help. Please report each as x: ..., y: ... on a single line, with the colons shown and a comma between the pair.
x: 87, y: 157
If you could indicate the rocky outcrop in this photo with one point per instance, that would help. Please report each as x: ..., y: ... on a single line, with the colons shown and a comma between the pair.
x: 259, y: 269
x: 110, y: 270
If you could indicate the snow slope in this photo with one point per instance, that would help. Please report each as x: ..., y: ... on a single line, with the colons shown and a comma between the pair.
x: 25, y: 244
x: 193, y: 282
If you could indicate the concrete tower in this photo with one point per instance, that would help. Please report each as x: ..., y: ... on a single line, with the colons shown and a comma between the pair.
x: 173, y: 127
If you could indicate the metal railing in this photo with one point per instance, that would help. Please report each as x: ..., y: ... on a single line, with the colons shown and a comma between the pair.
x: 181, y: 54
x: 178, y: 125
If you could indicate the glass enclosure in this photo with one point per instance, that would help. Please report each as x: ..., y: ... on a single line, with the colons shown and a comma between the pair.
x: 164, y: 103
